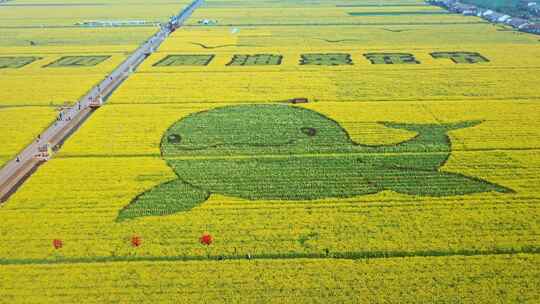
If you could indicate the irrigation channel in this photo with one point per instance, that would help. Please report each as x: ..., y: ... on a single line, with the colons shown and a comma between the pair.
x: 19, y: 169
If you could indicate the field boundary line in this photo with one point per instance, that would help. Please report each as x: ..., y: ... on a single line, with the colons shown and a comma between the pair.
x: 362, y: 255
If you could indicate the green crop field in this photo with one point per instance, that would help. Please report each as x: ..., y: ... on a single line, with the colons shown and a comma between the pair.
x: 173, y: 60
x: 78, y: 61
x: 16, y: 62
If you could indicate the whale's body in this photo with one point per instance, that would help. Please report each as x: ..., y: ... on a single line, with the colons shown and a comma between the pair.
x: 281, y: 152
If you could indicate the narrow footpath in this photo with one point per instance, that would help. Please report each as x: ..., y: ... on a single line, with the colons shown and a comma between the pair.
x: 16, y: 171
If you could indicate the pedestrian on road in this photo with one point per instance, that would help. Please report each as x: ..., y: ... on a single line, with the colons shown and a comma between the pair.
x: 18, y: 159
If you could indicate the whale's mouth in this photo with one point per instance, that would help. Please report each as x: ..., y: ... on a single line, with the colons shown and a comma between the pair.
x: 234, y: 145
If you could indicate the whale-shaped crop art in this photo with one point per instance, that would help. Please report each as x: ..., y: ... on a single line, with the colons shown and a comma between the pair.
x: 282, y: 152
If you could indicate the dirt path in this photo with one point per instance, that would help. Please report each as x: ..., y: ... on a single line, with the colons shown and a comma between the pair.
x: 16, y: 171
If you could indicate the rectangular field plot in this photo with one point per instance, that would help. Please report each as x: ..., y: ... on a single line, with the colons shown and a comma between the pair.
x: 390, y: 58
x: 16, y: 62
x: 326, y: 59
x: 257, y: 59
x: 77, y: 61
x: 190, y: 60
x: 460, y: 57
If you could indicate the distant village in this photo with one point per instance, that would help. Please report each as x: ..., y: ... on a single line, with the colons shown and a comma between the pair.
x: 522, y: 23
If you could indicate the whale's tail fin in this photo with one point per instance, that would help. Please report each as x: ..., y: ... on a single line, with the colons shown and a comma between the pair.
x: 429, y: 149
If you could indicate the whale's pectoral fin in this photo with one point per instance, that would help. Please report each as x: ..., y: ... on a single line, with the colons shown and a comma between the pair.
x: 167, y: 198
x: 435, y: 183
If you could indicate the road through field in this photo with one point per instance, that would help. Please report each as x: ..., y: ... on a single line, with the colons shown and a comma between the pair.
x: 16, y: 171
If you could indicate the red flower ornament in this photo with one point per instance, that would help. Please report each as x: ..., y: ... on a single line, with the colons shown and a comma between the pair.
x: 206, y: 239
x: 136, y: 241
x: 57, y: 244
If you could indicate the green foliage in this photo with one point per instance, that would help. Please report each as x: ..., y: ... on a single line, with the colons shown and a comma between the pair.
x: 257, y: 59
x: 16, y: 62
x: 174, y: 60
x: 167, y: 198
x: 391, y: 58
x: 460, y: 57
x: 78, y: 61
x: 281, y: 152
x: 326, y: 59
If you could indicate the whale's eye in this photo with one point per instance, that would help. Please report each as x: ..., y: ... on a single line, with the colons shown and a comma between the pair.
x: 174, y: 139
x: 309, y: 131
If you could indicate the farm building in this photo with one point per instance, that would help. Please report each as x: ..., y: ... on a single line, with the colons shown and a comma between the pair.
x: 494, y: 17
x: 443, y: 3
x: 504, y: 18
x: 486, y: 13
x: 533, y: 28
x: 464, y: 9
x: 470, y: 12
x: 517, y: 22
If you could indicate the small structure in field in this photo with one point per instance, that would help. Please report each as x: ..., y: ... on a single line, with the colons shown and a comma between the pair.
x: 299, y: 100
x: 207, y: 22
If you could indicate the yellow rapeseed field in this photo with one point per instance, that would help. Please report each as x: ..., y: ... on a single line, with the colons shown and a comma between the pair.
x: 18, y: 131
x: 118, y: 151
x: 36, y: 84
x: 394, y: 280
x: 61, y: 234
x: 69, y: 14
x: 505, y: 77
